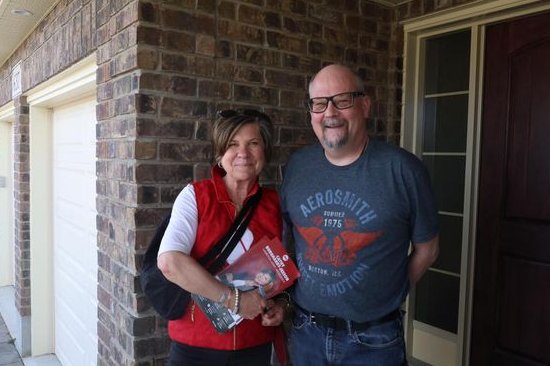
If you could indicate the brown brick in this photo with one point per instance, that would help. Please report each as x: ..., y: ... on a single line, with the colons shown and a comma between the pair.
x: 154, y: 173
x: 191, y: 65
x: 147, y: 104
x: 148, y: 12
x: 207, y: 6
x: 148, y: 35
x: 185, y: 152
x: 182, y: 108
x: 153, y: 81
x: 227, y: 10
x: 258, y: 56
x: 284, y: 42
x: 240, y: 32
x: 224, y: 49
x: 168, y: 194
x: 206, y: 45
x: 250, y: 15
x: 214, y: 89
x: 297, y: 7
x: 126, y: 104
x: 302, y: 26
x: 188, y: 4
x: 284, y: 79
x: 273, y: 20
x: 124, y: 62
x: 247, y: 74
x: 255, y: 94
x: 178, y: 41
x: 288, y: 117
x: 200, y: 23
x: 340, y: 37
x: 147, y: 59
x: 301, y: 63
x: 145, y: 150
x: 291, y: 99
x: 326, y: 15
x: 147, y: 194
x: 122, y: 86
x: 182, y: 85
x: 174, y: 128
x: 103, y: 73
x: 104, y: 110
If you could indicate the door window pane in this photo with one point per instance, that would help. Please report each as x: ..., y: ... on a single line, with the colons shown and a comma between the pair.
x: 447, y: 63
x: 445, y: 123
x: 450, y: 243
x: 447, y: 174
x: 437, y: 300
x: 444, y: 142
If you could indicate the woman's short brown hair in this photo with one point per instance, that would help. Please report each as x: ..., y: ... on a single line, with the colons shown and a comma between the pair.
x: 230, y: 121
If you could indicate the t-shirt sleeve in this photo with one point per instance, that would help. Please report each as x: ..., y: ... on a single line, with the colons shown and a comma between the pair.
x: 181, y: 231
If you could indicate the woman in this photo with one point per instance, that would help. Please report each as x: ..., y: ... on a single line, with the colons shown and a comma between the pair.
x: 202, y: 214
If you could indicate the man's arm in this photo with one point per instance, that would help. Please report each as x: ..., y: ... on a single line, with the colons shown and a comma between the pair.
x: 421, y: 258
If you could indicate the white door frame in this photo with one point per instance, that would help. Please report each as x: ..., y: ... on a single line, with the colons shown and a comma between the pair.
x: 77, y: 82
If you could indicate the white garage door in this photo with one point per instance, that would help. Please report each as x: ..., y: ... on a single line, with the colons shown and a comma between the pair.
x: 75, y: 248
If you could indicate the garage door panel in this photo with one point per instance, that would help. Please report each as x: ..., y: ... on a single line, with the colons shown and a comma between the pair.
x: 71, y: 209
x: 75, y: 236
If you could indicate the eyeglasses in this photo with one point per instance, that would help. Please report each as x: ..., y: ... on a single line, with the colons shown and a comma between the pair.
x: 230, y: 113
x: 339, y: 101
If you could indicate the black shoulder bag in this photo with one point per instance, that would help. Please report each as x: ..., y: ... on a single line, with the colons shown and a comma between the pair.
x: 167, y: 298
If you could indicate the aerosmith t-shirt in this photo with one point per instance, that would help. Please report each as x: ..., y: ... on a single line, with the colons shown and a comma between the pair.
x: 352, y: 226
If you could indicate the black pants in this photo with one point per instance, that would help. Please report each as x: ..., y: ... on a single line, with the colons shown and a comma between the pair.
x: 184, y: 355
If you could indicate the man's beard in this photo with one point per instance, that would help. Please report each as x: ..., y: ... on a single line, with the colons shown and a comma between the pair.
x: 337, y: 141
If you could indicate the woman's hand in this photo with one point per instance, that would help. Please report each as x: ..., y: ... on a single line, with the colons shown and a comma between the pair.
x: 251, y: 304
x: 274, y: 314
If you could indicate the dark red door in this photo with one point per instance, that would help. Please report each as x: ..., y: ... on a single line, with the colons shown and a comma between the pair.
x: 511, y: 302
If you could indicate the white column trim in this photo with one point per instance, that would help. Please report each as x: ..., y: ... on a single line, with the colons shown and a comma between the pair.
x: 72, y: 84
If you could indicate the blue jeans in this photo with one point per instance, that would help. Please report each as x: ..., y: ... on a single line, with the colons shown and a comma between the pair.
x: 379, y: 345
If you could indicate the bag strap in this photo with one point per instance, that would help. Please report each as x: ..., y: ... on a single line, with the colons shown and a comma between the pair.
x: 216, y: 257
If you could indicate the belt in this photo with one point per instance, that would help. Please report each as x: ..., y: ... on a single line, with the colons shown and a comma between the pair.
x: 336, y: 323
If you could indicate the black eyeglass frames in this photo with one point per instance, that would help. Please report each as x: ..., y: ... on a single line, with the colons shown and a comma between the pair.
x: 339, y: 101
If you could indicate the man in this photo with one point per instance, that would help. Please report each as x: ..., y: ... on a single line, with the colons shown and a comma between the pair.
x: 353, y: 206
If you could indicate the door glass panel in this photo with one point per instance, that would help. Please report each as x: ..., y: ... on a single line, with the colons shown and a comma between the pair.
x: 445, y: 122
x: 447, y: 174
x: 447, y: 63
x: 450, y: 242
x: 444, y: 142
x: 439, y: 311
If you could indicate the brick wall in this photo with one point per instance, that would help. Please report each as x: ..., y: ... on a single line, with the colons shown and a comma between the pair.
x: 164, y: 69
x: 21, y: 209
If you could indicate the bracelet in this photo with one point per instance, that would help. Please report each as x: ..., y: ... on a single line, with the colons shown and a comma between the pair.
x: 237, y: 302
x: 224, y: 296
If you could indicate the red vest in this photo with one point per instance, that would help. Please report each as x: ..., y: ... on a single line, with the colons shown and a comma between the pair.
x: 216, y: 212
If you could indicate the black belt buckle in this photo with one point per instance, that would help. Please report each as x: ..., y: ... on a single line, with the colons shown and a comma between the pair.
x: 327, y: 321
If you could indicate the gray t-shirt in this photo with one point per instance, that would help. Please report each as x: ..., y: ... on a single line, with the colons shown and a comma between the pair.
x: 353, y: 225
